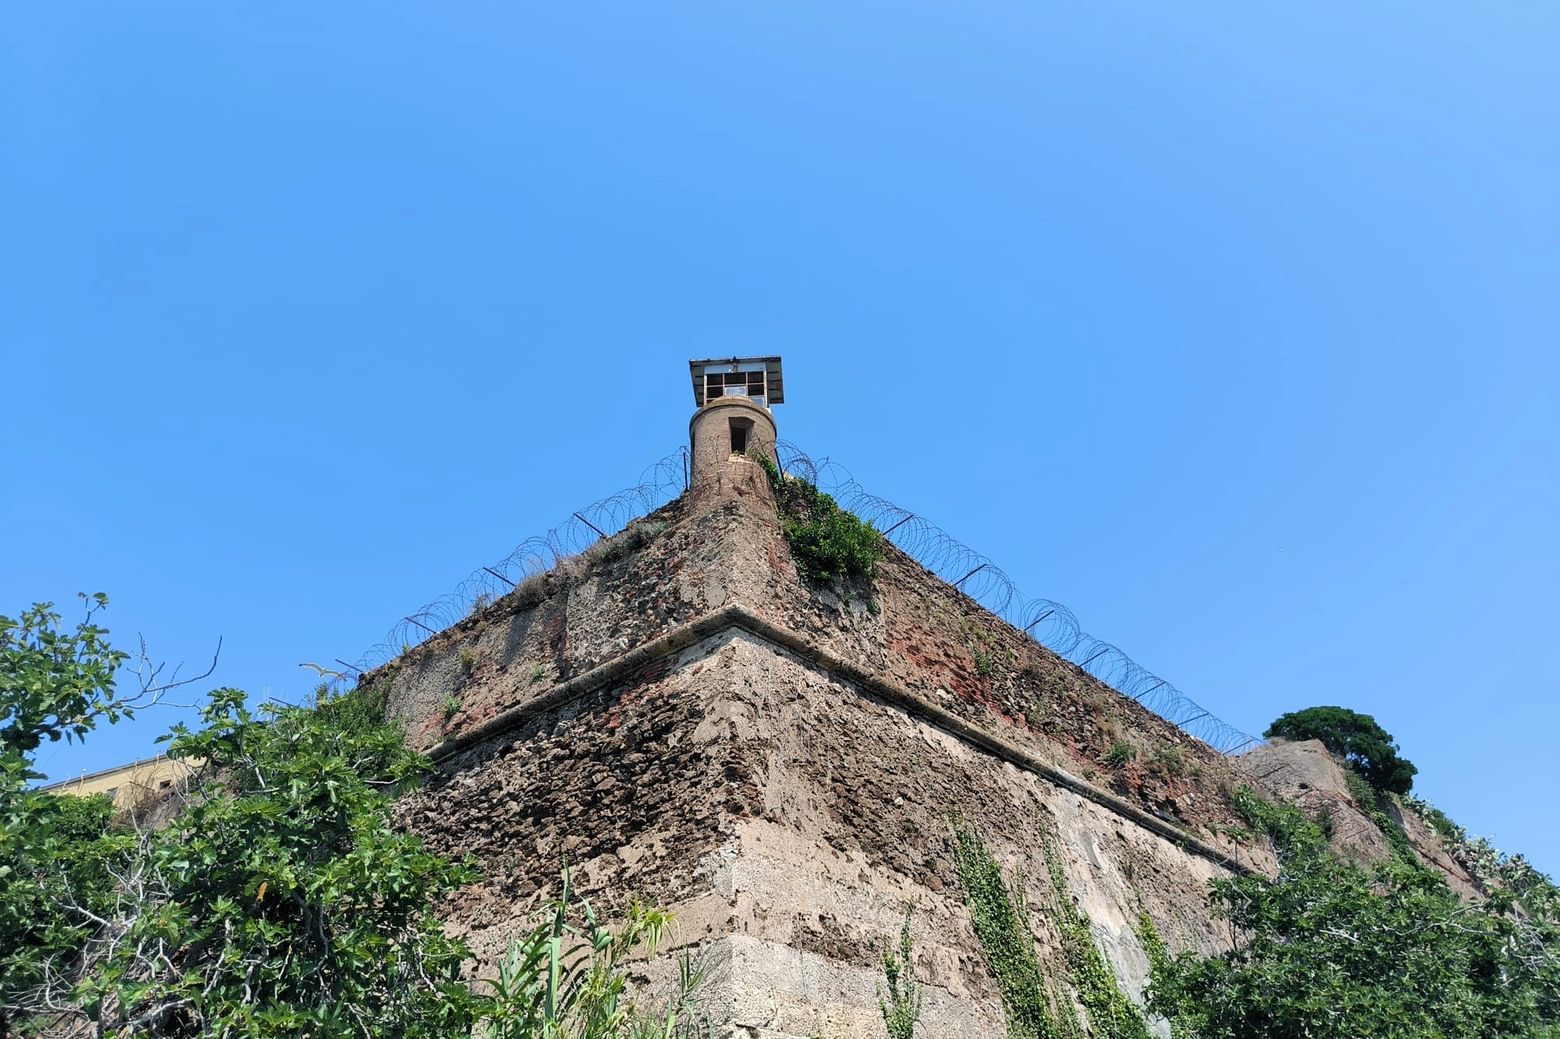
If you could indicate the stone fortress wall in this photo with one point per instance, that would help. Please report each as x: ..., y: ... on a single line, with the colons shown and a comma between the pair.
x: 683, y: 719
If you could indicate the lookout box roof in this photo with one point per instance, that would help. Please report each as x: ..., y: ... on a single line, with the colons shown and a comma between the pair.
x: 756, y: 378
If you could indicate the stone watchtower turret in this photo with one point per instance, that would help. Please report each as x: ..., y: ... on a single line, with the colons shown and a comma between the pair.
x: 681, y: 716
x: 732, y: 427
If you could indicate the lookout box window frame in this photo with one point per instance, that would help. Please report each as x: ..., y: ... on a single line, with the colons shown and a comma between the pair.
x: 755, y: 378
x: 749, y: 383
x: 741, y: 435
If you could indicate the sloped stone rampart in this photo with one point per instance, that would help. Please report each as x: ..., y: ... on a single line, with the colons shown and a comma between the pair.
x: 787, y: 817
x: 687, y: 722
x: 915, y: 633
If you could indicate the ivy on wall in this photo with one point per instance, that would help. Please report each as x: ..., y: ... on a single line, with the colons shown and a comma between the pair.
x: 1110, y: 1012
x: 901, y: 1004
x: 1074, y: 993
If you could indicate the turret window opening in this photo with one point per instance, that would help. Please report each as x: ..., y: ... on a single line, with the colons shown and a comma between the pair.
x: 740, y: 428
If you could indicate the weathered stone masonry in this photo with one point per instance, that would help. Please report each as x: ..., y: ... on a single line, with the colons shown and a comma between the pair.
x: 688, y: 722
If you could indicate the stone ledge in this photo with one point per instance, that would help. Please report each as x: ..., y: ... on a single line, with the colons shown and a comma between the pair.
x: 739, y: 617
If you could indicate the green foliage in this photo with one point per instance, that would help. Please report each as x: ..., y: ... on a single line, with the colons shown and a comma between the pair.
x: 985, y: 661
x: 55, y: 858
x: 1366, y: 746
x: 827, y: 542
x: 1325, y: 821
x: 566, y: 979
x: 1038, y: 1006
x: 55, y: 852
x: 55, y: 684
x: 1488, y: 865
x: 1360, y: 789
x: 358, y: 710
x: 1120, y: 755
x: 1159, y: 960
x: 281, y: 900
x: 626, y: 541
x: 1000, y: 913
x: 1111, y: 1014
x: 1438, y: 821
x: 451, y: 707
x: 1169, y: 761
x: 902, y: 1007
x: 1327, y: 949
x: 1374, y: 804
x: 468, y: 660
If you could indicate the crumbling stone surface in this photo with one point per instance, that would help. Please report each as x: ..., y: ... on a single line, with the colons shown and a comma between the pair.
x: 626, y: 785
x: 1432, y: 851
x: 582, y: 613
x: 778, y: 808
x: 916, y: 630
x: 857, y: 798
x: 1304, y: 774
x: 911, y: 628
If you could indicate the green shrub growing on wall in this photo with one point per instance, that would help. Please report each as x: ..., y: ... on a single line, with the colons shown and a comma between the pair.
x: 827, y: 542
x: 1120, y: 755
x: 1374, y: 804
x: 1489, y: 866
x: 357, y: 710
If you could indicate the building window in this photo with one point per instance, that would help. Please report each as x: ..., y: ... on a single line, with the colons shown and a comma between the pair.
x: 734, y: 384
x: 740, y: 428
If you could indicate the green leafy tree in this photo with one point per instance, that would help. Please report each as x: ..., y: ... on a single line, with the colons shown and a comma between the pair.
x: 1365, y: 745
x: 55, y: 853
x: 55, y: 684
x: 1327, y: 949
x: 280, y: 900
x: 56, y: 857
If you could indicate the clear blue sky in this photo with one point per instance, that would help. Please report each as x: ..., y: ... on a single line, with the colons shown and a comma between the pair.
x: 1233, y: 326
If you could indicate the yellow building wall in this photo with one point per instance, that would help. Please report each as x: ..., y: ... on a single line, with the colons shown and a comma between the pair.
x: 128, y: 784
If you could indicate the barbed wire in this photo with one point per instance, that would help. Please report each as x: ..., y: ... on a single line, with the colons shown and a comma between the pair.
x: 1045, y: 620
x: 660, y: 483
x: 1048, y: 622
